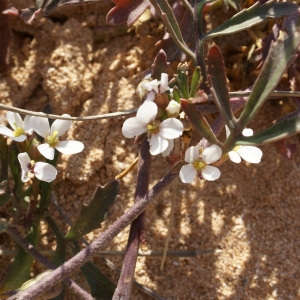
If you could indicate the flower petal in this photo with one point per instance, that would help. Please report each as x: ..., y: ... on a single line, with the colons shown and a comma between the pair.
x: 14, y: 118
x: 187, y: 173
x: 132, y: 127
x: 20, y: 138
x: 158, y: 144
x: 27, y: 125
x: 147, y: 112
x: 61, y: 126
x: 210, y: 173
x: 150, y: 96
x: 164, y: 81
x: 44, y: 171
x: 247, y: 132
x: 40, y: 126
x: 211, y: 154
x: 171, y: 128
x: 192, y: 154
x: 169, y: 148
x: 250, y: 154
x: 46, y: 150
x: 234, y: 157
x: 6, y: 131
x: 151, y: 85
x: 24, y: 160
x: 69, y: 147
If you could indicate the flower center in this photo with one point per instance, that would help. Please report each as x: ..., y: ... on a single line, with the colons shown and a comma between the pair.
x: 52, y: 140
x: 199, y: 165
x: 153, y: 127
x: 18, y: 131
x: 31, y: 166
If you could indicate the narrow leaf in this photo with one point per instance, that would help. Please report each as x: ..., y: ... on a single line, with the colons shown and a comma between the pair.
x: 218, y: 82
x: 4, y: 198
x: 287, y: 126
x: 19, y: 271
x: 252, y: 16
x: 126, y: 11
x: 160, y: 65
x: 196, y: 81
x: 199, y: 122
x: 91, y: 215
x: 3, y: 224
x: 281, y: 54
x: 182, y: 79
x: 101, y: 286
x: 3, y: 159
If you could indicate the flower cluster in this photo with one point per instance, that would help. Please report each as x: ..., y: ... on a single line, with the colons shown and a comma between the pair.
x: 23, y: 129
x: 161, y: 131
x: 199, y: 160
x: 162, y: 128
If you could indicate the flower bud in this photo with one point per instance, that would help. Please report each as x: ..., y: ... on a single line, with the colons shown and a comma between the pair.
x: 173, y: 109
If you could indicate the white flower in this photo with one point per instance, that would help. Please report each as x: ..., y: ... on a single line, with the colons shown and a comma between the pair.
x: 43, y: 171
x: 250, y: 154
x: 155, y: 86
x: 198, y: 162
x: 20, y: 127
x: 173, y: 109
x: 159, y: 133
x: 51, y: 135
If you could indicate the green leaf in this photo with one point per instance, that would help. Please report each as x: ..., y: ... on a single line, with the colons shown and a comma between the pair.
x: 252, y: 16
x: 19, y: 270
x: 15, y: 167
x: 3, y: 159
x: 287, y: 126
x: 101, y: 286
x: 4, y: 198
x: 3, y: 224
x: 183, y: 80
x: 196, y: 81
x: 281, y: 54
x: 176, y: 94
x: 199, y: 122
x: 91, y: 215
x: 218, y: 82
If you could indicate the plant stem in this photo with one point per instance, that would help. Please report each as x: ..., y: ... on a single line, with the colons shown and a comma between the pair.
x: 136, y: 232
x: 13, y: 233
x: 86, y: 254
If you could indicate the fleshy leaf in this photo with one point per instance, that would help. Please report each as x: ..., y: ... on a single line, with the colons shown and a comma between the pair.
x: 126, y: 11
x: 4, y: 198
x: 182, y: 79
x: 199, y: 122
x: 20, y: 268
x: 3, y: 224
x: 218, y: 82
x: 252, y: 16
x: 3, y: 159
x: 93, y: 214
x: 281, y: 54
x: 287, y: 126
x: 159, y: 65
x: 196, y: 81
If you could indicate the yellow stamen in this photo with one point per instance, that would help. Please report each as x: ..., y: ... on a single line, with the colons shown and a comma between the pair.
x: 18, y: 131
x: 52, y: 140
x: 154, y: 127
x: 199, y: 165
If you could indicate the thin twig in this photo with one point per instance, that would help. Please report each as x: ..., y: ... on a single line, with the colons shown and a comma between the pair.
x: 108, y: 235
x: 12, y: 232
x: 109, y: 263
x: 273, y: 95
x: 136, y: 232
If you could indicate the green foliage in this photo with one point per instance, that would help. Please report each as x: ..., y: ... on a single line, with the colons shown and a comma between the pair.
x: 93, y: 214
